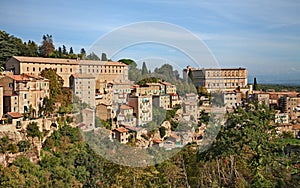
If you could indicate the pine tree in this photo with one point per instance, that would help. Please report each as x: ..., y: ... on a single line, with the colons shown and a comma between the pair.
x: 82, y: 51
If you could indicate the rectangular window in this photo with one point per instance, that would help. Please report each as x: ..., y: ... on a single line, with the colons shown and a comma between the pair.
x: 25, y: 96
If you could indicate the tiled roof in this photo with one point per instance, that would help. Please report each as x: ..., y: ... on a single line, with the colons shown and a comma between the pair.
x: 65, y: 61
x: 296, y: 127
x: 46, y: 60
x: 19, y: 78
x: 156, y: 140
x: 121, y: 130
x: 14, y: 114
x: 126, y: 107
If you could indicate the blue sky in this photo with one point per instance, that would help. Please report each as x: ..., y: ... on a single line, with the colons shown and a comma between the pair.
x: 263, y: 36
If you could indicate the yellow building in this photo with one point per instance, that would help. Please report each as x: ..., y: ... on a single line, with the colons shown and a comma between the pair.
x: 22, y: 92
x: 1, y: 101
x: 104, y: 71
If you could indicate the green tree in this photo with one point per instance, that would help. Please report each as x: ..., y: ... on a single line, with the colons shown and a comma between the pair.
x: 162, y: 131
x: 23, y: 145
x: 32, y: 130
x: 71, y: 51
x: 56, y: 82
x: 82, y: 54
x: 48, y: 106
x: 92, y: 56
x: 103, y: 57
x: 9, y: 46
x: 144, y: 69
x: 59, y: 52
x: 64, y: 50
x: 255, y: 85
x: 127, y: 61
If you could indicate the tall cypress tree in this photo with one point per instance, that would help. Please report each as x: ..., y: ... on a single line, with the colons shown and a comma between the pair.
x: 255, y: 84
x: 144, y: 69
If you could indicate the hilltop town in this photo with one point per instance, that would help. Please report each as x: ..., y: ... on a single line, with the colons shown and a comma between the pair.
x: 143, y: 112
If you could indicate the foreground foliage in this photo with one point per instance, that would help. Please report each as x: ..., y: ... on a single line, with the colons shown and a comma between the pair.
x: 246, y: 153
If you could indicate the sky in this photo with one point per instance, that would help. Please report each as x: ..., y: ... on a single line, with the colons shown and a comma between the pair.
x: 261, y: 35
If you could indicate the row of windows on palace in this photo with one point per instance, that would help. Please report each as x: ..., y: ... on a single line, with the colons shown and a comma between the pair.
x: 226, y: 84
x: 217, y: 74
x: 109, y: 70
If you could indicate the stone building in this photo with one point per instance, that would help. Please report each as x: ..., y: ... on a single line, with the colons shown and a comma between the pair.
x: 103, y: 71
x: 121, y: 134
x: 126, y: 117
x: 1, y: 101
x: 84, y: 87
x: 22, y: 92
x: 142, y: 108
x: 215, y: 79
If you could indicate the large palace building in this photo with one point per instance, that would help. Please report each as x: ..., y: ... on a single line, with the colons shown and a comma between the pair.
x: 217, y: 79
x: 103, y: 71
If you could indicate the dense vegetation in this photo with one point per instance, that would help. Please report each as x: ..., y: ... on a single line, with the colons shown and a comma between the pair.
x: 246, y: 153
x: 14, y: 46
x: 277, y: 87
x: 165, y: 73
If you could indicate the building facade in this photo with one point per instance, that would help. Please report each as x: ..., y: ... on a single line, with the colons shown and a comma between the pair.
x: 84, y: 87
x: 126, y: 117
x: 142, y: 108
x: 103, y: 71
x: 217, y: 79
x: 1, y: 101
x: 22, y: 92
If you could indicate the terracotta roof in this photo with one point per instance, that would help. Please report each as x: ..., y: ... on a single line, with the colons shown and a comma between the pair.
x: 121, y: 130
x: 126, y: 107
x: 156, y: 140
x: 34, y: 76
x: 296, y: 127
x: 14, y: 114
x: 19, y: 78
